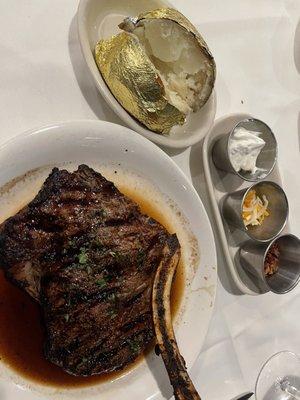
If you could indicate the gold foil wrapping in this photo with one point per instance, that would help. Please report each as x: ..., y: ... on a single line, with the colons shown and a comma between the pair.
x: 134, y: 82
x: 133, y: 79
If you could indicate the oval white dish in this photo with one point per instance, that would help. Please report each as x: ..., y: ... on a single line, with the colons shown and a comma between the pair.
x: 99, y: 19
x: 219, y: 183
x: 109, y: 148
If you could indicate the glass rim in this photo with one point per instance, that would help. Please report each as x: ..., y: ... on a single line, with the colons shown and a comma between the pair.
x: 267, y: 362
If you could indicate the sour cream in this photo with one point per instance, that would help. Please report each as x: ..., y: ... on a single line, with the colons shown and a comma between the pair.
x: 244, y: 147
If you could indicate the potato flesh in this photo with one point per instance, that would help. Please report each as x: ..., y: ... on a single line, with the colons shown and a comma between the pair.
x: 178, y: 59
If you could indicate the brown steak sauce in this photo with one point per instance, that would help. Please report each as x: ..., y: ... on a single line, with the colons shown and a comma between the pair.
x: 22, y: 332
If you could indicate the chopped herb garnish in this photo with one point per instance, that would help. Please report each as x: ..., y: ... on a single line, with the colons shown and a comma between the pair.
x: 83, y: 361
x: 112, y: 313
x: 72, y: 242
x: 67, y: 317
x: 134, y: 346
x: 82, y: 256
x: 68, y: 302
x: 101, y: 282
x: 89, y: 269
x: 112, y: 297
x: 74, y: 265
x: 100, y: 213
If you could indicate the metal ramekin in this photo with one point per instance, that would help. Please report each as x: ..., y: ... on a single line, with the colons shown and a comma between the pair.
x: 278, y: 211
x: 253, y: 255
x: 266, y: 159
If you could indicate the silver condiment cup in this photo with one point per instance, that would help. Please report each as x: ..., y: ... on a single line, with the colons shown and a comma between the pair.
x: 278, y: 209
x: 253, y: 256
x: 266, y: 159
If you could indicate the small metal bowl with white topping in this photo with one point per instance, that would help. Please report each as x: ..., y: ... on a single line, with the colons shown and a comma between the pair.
x: 249, y: 150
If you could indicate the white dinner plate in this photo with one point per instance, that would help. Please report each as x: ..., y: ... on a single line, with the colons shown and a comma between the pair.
x: 99, y: 19
x: 122, y: 156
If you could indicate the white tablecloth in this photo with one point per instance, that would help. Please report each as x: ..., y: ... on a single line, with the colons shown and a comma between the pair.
x: 256, y: 44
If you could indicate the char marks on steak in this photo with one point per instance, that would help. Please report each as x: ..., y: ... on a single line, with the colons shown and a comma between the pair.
x: 88, y: 255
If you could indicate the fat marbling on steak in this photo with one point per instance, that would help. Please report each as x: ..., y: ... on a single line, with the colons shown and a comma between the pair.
x: 88, y: 255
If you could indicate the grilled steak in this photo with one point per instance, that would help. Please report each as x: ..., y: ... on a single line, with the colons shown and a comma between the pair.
x: 88, y: 255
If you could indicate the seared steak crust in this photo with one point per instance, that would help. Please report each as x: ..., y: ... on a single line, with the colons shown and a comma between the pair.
x: 88, y: 255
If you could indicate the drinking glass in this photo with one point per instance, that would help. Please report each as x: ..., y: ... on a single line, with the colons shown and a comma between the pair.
x: 279, y: 378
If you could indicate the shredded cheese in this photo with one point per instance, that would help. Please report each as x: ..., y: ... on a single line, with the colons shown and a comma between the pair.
x: 255, y: 209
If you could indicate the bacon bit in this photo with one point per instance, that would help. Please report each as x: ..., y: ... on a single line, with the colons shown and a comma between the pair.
x: 271, y: 264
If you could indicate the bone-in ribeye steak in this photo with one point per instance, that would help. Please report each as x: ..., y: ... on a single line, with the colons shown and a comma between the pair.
x: 88, y: 255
